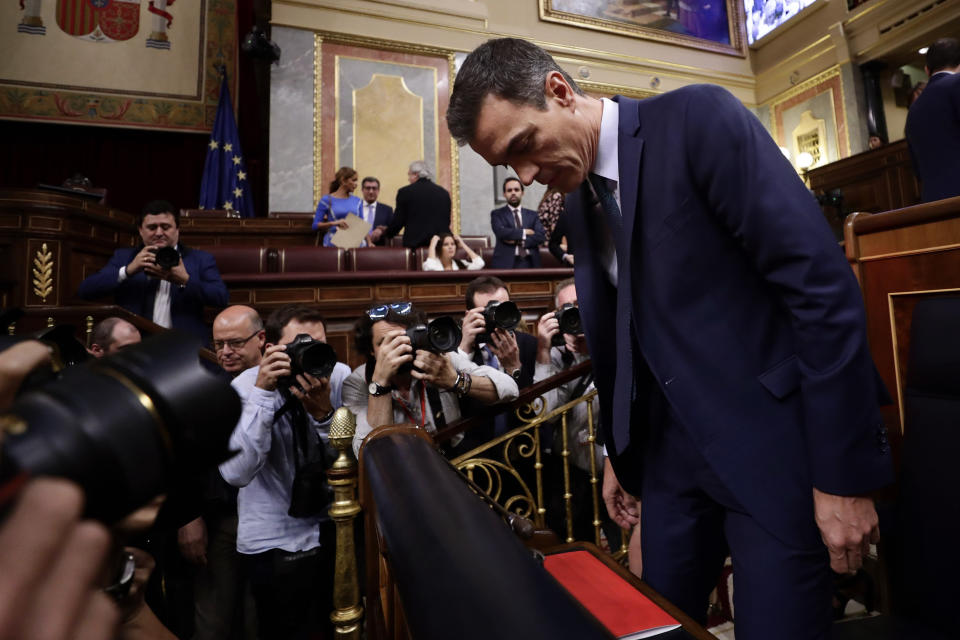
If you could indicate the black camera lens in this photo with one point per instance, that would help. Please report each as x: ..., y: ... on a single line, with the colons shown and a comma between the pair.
x: 167, y: 257
x: 501, y: 315
x: 125, y: 427
x: 311, y: 356
x: 439, y: 335
x: 568, y: 316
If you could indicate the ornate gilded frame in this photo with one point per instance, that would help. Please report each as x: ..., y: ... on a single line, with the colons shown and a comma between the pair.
x: 321, y: 37
x: 735, y: 24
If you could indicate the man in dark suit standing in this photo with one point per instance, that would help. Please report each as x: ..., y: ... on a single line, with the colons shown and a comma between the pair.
x: 738, y: 398
x: 518, y: 231
x: 171, y: 297
x: 376, y: 213
x: 423, y: 208
x: 933, y: 124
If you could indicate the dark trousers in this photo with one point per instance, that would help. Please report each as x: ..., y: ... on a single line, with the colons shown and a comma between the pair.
x: 523, y: 263
x: 689, y: 521
x: 223, y: 607
x: 294, y: 591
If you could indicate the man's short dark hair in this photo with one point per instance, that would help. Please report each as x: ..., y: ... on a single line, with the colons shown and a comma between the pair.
x: 102, y: 333
x: 512, y: 179
x: 483, y: 284
x: 943, y: 54
x: 369, y: 179
x: 363, y: 330
x: 155, y: 207
x: 281, y: 317
x: 508, y: 68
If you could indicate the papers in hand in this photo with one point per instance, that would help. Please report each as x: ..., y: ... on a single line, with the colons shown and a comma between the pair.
x: 353, y: 235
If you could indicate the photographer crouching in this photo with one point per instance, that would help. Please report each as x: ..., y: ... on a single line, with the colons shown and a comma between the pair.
x: 284, y: 532
x: 414, y: 373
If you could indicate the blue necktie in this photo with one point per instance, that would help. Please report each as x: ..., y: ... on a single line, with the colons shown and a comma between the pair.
x: 608, y: 201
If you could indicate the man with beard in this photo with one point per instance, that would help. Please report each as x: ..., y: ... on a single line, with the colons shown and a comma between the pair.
x: 518, y: 230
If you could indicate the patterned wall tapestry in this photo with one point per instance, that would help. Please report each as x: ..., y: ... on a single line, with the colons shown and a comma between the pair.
x: 147, y: 64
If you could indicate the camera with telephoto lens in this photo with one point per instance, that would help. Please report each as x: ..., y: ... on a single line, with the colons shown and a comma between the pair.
x: 440, y: 335
x: 167, y: 258
x: 309, y: 356
x: 568, y: 316
x: 498, y: 315
x: 126, y: 428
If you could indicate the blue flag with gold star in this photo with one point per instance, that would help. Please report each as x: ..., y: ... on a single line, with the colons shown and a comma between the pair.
x: 225, y: 184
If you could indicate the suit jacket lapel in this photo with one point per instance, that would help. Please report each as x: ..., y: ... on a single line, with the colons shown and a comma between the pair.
x: 630, y: 149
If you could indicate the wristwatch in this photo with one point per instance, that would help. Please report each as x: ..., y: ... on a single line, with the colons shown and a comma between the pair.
x: 515, y: 374
x: 375, y: 389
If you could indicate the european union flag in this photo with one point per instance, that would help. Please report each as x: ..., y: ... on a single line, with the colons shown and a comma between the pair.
x: 225, y: 184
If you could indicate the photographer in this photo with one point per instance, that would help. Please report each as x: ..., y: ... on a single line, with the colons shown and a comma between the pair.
x: 110, y: 335
x: 161, y: 279
x: 289, y: 557
x: 399, y: 384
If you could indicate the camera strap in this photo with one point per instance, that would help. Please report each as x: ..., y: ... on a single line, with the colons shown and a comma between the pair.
x: 423, y: 408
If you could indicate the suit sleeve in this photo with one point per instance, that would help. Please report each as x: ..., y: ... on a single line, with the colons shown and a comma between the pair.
x: 559, y: 231
x: 205, y: 286
x: 504, y: 227
x: 538, y: 236
x: 104, y: 282
x: 399, y: 219
x: 755, y: 193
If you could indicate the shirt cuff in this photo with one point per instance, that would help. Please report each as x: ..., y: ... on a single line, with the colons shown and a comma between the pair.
x: 122, y: 274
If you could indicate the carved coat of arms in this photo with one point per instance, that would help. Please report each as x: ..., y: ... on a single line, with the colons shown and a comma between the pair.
x: 99, y: 20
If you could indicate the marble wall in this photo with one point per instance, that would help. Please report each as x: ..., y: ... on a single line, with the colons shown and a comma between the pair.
x: 291, y: 122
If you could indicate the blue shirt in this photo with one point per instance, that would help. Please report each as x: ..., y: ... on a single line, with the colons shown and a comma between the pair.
x: 264, y: 468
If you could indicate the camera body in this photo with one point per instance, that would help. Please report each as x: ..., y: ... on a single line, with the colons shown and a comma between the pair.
x: 310, y: 356
x: 440, y: 335
x: 167, y: 258
x: 498, y: 315
x: 568, y: 316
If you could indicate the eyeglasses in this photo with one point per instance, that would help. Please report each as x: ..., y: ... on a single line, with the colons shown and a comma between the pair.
x: 235, y: 344
x: 380, y: 311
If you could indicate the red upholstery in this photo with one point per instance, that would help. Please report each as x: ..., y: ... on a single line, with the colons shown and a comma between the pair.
x: 243, y: 260
x: 548, y: 260
x: 291, y: 214
x: 381, y: 259
x: 423, y: 252
x: 309, y: 259
x: 474, y: 242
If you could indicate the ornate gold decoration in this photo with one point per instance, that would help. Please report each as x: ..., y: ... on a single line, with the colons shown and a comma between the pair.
x: 43, y: 273
x: 12, y: 425
x: 342, y: 477
x: 832, y: 72
x: 317, y: 116
x: 88, y: 330
x: 616, y: 89
x: 454, y: 156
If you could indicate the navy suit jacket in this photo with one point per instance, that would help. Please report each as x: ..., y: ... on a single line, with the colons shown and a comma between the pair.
x: 423, y: 211
x: 735, y: 304
x: 137, y: 293
x: 504, y: 225
x: 933, y: 132
x: 382, y: 216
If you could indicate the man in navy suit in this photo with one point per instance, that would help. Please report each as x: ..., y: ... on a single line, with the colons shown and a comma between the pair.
x: 518, y: 231
x: 738, y: 399
x: 933, y: 124
x: 172, y: 297
x: 376, y: 213
x: 423, y: 208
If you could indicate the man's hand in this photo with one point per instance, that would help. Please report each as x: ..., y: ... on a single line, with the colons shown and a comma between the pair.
x: 847, y: 525
x: 504, y: 346
x: 192, y: 539
x: 275, y: 365
x: 375, y: 234
x: 434, y: 369
x: 473, y: 325
x: 394, y: 352
x: 176, y: 275
x: 568, y: 258
x: 15, y: 364
x: 315, y: 396
x: 146, y: 258
x: 623, y: 508
x: 50, y: 562
x: 547, y: 327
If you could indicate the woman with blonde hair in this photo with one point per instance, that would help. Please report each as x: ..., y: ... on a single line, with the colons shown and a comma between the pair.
x: 337, y: 205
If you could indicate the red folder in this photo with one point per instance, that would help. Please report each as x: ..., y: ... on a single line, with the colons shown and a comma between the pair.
x: 623, y: 610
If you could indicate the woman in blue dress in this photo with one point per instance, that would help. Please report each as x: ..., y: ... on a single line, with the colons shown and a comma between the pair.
x: 336, y: 205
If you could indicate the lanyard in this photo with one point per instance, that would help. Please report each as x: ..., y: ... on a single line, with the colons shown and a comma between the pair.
x: 423, y: 407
